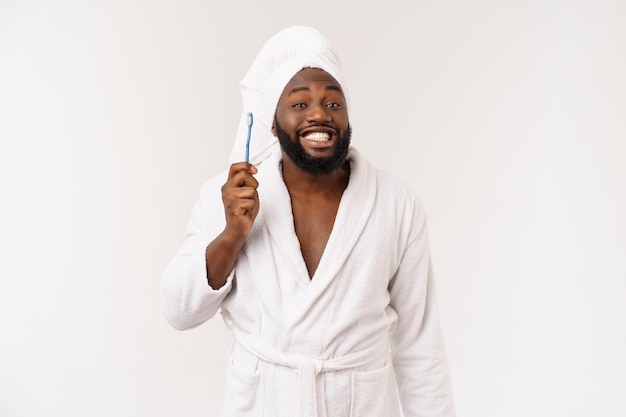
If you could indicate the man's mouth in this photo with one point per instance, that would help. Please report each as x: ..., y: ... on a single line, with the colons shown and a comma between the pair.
x: 316, y: 136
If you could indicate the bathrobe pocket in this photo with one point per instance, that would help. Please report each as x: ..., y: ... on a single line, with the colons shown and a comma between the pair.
x: 243, y: 393
x: 370, y: 393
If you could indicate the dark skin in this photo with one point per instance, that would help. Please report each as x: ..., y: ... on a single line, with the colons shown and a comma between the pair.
x: 311, y: 110
x: 241, y: 205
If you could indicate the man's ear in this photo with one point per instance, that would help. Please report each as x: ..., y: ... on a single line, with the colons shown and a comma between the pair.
x: 274, y: 129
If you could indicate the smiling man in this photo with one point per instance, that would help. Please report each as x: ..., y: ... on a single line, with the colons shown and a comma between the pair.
x: 318, y: 262
x: 315, y: 145
x: 313, y: 103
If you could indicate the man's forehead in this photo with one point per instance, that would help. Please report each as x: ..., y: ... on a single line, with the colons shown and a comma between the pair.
x: 306, y: 76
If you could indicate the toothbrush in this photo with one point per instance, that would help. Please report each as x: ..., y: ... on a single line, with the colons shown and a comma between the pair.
x: 250, y: 121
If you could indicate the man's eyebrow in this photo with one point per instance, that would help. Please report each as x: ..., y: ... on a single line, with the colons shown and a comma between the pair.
x: 298, y: 89
x: 331, y: 87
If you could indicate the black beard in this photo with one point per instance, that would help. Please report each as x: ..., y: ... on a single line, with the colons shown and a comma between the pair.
x: 310, y: 164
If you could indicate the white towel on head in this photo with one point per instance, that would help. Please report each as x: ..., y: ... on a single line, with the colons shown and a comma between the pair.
x: 282, y: 56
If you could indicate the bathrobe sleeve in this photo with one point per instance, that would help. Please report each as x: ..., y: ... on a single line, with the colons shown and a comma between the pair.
x: 419, y: 355
x: 187, y: 298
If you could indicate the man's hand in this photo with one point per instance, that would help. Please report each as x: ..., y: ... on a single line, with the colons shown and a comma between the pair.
x: 241, y: 200
x: 241, y: 205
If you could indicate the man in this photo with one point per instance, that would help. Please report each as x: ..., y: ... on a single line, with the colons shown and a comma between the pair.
x: 319, y: 262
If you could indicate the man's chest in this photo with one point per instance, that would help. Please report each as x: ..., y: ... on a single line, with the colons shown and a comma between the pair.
x: 313, y: 223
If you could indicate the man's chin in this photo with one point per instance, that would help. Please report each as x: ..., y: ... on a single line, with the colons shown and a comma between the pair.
x: 312, y: 163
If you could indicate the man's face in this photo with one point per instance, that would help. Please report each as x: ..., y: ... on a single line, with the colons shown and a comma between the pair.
x: 311, y: 122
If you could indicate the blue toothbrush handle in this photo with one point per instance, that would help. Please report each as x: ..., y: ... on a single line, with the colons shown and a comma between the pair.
x: 250, y: 121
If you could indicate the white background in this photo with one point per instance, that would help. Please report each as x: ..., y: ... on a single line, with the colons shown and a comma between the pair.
x: 507, y: 117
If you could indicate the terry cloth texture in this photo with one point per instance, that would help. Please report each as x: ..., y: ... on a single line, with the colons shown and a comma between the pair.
x: 299, y: 342
x: 362, y: 335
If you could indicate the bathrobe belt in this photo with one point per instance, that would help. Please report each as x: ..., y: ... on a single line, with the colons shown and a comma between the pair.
x: 308, y: 368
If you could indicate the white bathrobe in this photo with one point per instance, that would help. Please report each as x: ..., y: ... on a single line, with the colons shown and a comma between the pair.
x: 355, y: 339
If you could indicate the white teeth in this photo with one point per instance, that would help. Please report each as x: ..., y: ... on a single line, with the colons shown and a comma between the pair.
x: 317, y: 136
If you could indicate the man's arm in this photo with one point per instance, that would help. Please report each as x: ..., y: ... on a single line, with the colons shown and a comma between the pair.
x: 241, y: 206
x: 419, y: 355
x: 198, y: 278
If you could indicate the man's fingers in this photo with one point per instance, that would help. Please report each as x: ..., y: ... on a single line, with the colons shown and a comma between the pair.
x: 242, y: 178
x: 243, y: 193
x: 240, y: 197
x: 245, y: 198
x: 243, y: 207
x: 239, y: 167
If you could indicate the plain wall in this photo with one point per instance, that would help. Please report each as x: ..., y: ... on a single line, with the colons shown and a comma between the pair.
x: 506, y: 117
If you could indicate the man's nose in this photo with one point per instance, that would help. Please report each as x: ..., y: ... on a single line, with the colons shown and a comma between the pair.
x: 318, y: 113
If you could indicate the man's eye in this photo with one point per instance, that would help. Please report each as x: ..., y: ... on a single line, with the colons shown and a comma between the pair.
x: 299, y: 105
x: 333, y: 105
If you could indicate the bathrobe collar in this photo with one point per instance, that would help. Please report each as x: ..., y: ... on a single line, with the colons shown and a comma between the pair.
x: 354, y: 211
